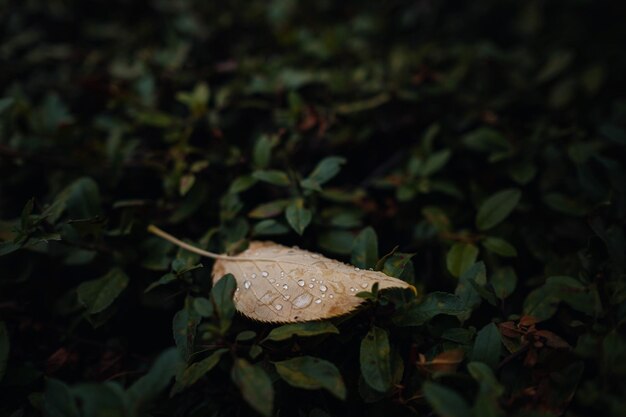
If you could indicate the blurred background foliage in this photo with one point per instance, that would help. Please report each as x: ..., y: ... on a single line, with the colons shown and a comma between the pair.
x: 475, y: 149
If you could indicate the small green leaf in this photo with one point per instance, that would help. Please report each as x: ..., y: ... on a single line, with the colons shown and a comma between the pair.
x: 98, y: 294
x: 58, y: 400
x: 435, y: 303
x: 487, y: 346
x: 503, y: 282
x: 298, y: 216
x: 490, y: 390
x: 222, y: 300
x: 272, y: 176
x: 271, y: 209
x: 326, y: 169
x: 460, y: 257
x: 197, y: 370
x: 184, y: 325
x: 241, y: 184
x: 365, y: 249
x: 311, y: 328
x: 6, y: 103
x: 104, y: 399
x: 262, y: 151
x: 164, y: 280
x: 435, y: 162
x: 497, y: 207
x: 475, y: 275
x: 149, y: 386
x: 4, y: 349
x: 255, y: 386
x: 203, y: 306
x: 499, y: 246
x: 375, y: 359
x: 444, y: 401
x: 312, y: 373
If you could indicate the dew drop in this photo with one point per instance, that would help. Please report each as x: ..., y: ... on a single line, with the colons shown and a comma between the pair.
x: 302, y: 300
x: 282, y: 273
x: 285, y: 286
x: 313, y: 279
x: 278, y: 307
x: 301, y: 282
x: 272, y: 280
x: 364, y: 285
x: 246, y: 284
x: 331, y: 296
x: 311, y: 285
x: 315, y: 256
x: 356, y: 268
x: 253, y: 275
x: 323, y: 295
x: 285, y: 297
x: 323, y: 288
x: 319, y: 300
x: 352, y: 289
x: 264, y: 273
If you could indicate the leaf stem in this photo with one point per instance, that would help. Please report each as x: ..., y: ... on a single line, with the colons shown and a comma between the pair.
x: 163, y: 234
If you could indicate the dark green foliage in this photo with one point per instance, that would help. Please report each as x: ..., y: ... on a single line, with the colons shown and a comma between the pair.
x: 473, y: 149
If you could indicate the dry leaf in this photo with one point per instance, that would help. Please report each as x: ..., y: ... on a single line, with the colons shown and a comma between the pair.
x: 447, y: 361
x: 276, y: 283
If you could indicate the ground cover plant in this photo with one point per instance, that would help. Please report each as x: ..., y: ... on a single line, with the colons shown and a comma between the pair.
x: 473, y: 150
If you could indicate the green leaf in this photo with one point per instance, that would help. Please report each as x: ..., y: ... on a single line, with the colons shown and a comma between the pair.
x: 487, y: 346
x: 272, y: 176
x: 148, y: 387
x: 6, y: 103
x: 310, y: 328
x: 460, y: 257
x: 241, y: 184
x: 375, y: 359
x: 475, y: 275
x: 499, y: 246
x: 490, y: 390
x: 503, y: 282
x: 541, y: 303
x: 395, y: 265
x: 222, y: 299
x: 81, y: 200
x: 497, y: 207
x: 102, y: 400
x: 298, y: 216
x: 197, y: 370
x: 184, y: 327
x: 326, y: 169
x: 444, y: 401
x: 435, y: 162
x: 262, y: 151
x: 164, y: 280
x: 432, y: 305
x: 269, y: 227
x: 98, y: 294
x: 312, y: 373
x: 58, y: 400
x: 4, y: 349
x: 271, y: 209
x: 365, y: 249
x: 255, y: 386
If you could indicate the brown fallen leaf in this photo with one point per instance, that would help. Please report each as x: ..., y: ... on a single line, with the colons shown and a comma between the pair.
x: 276, y: 283
x: 447, y: 361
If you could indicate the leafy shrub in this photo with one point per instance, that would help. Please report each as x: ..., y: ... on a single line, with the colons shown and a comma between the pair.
x: 475, y: 151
